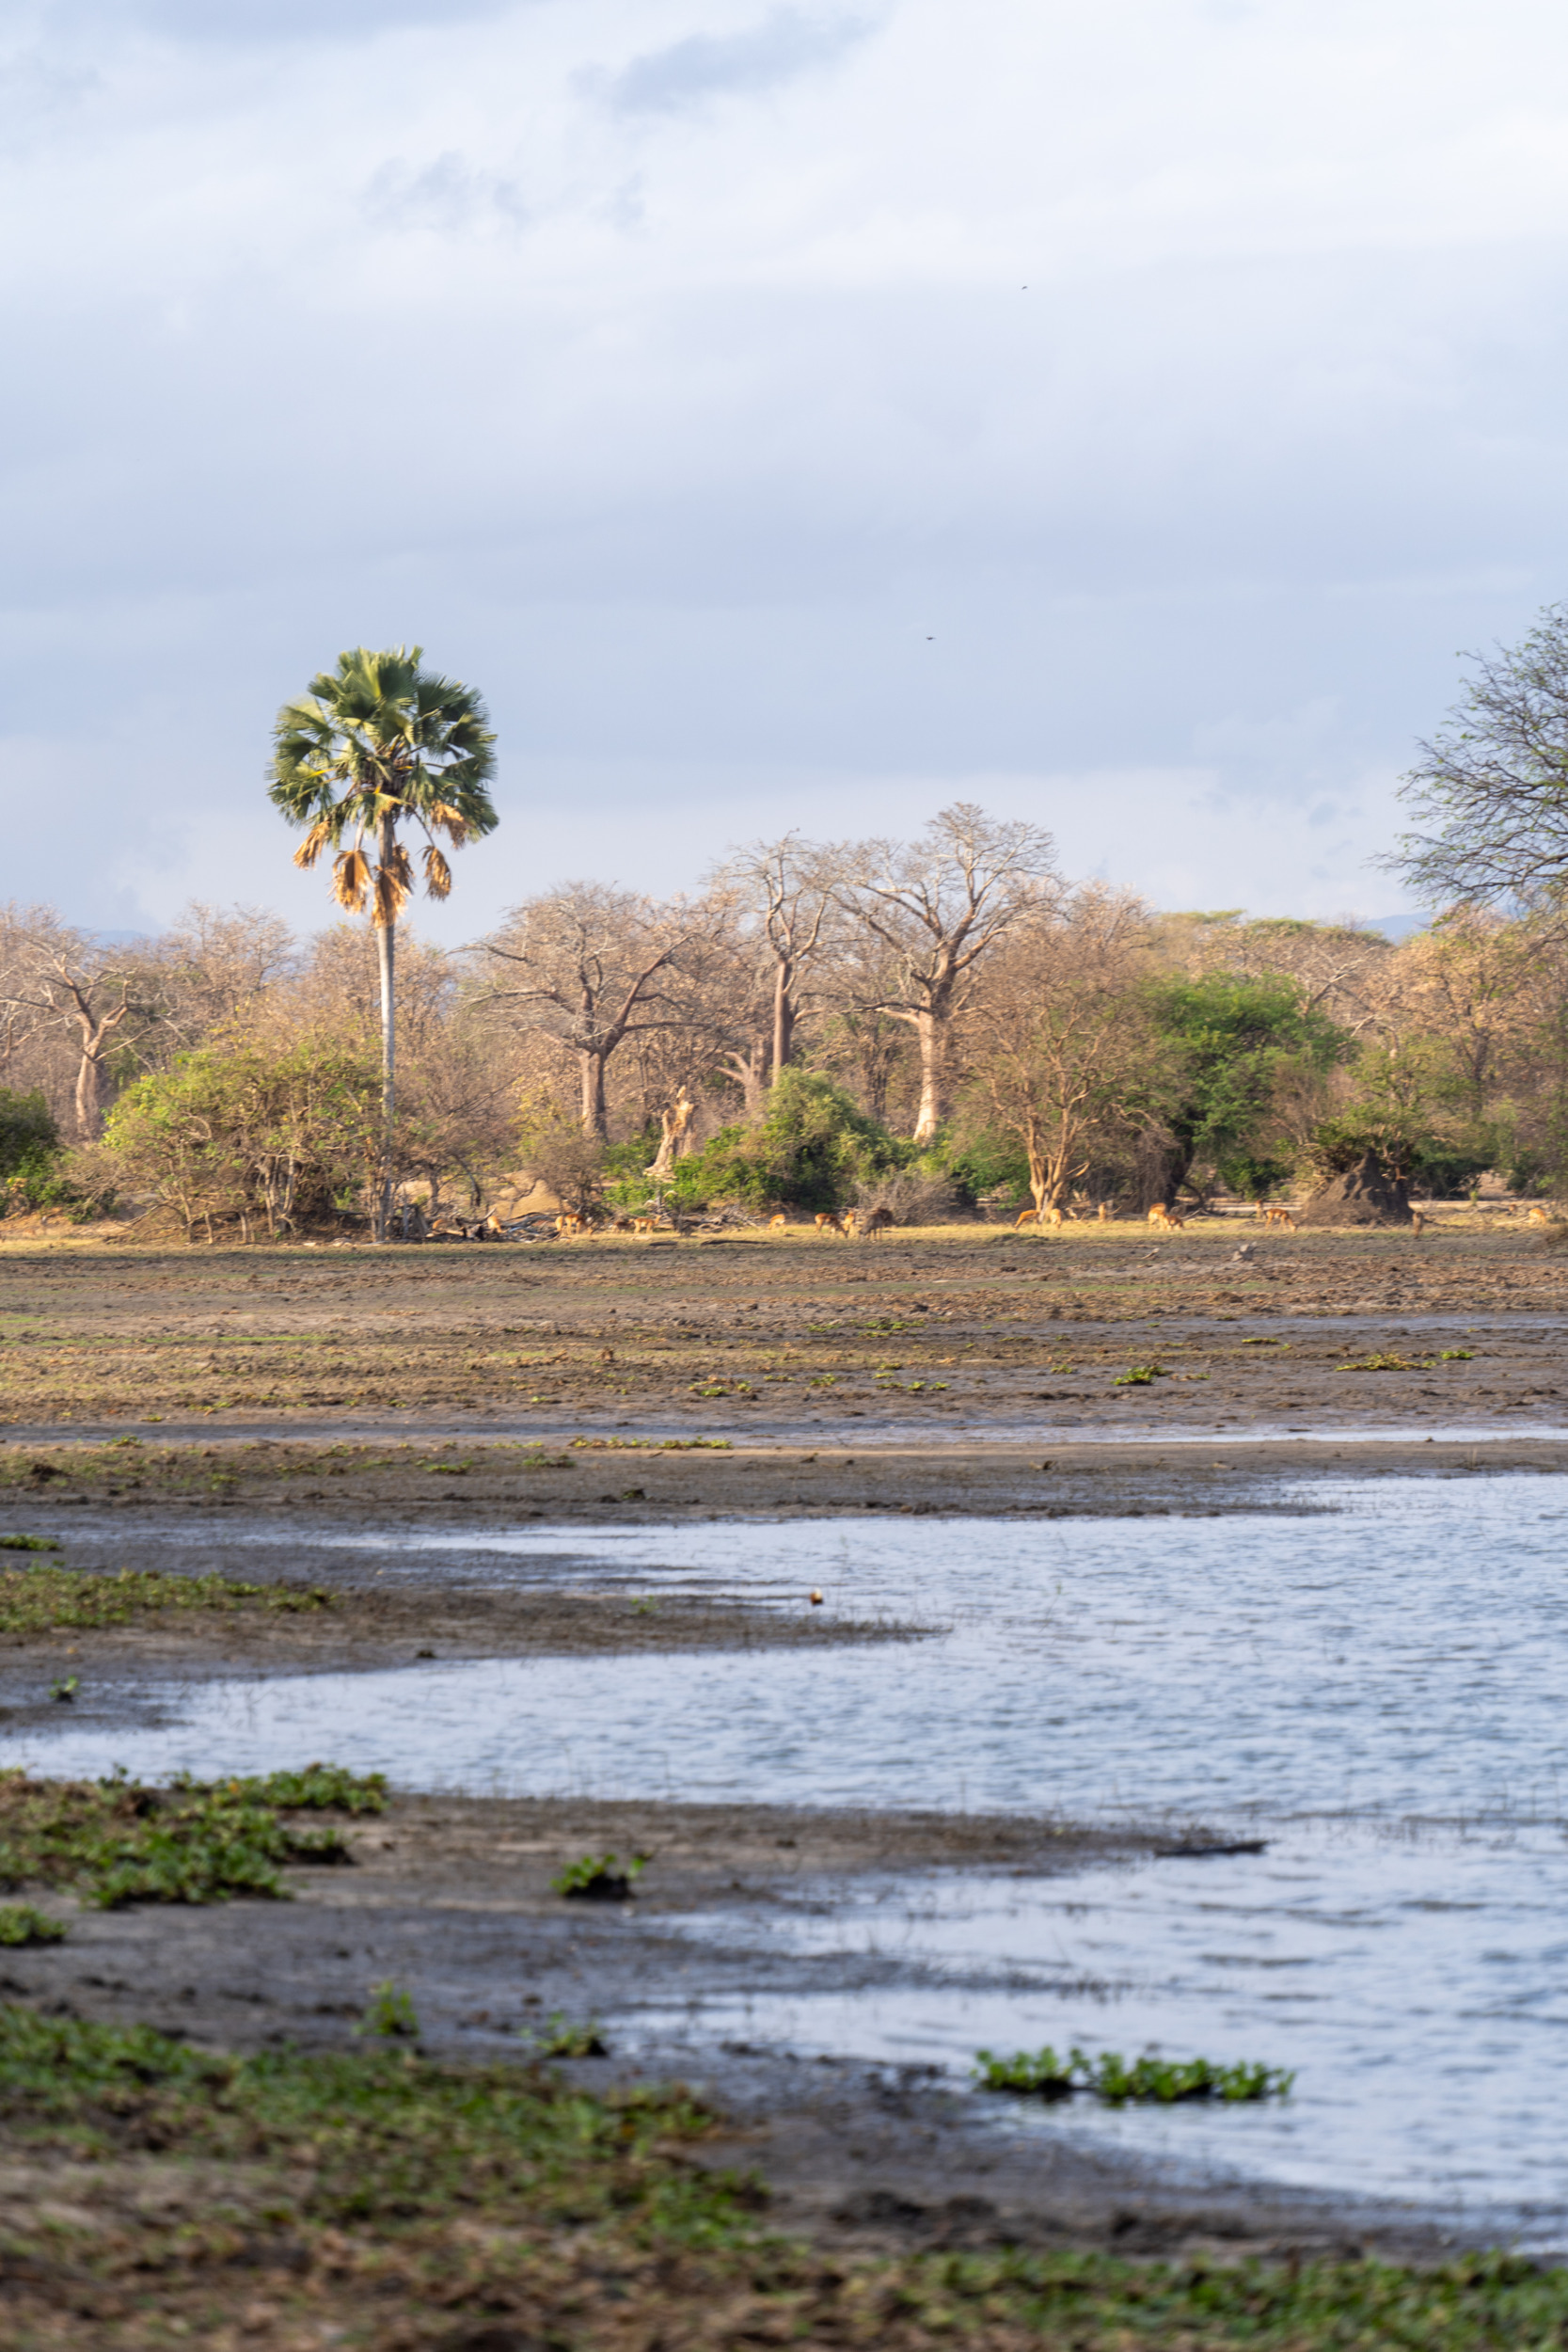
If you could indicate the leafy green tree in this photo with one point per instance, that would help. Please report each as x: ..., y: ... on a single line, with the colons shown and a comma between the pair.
x: 809, y: 1149
x: 1235, y: 1038
x: 29, y: 1150
x: 375, y: 743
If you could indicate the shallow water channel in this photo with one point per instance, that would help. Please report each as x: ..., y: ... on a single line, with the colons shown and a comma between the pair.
x: 1376, y: 1687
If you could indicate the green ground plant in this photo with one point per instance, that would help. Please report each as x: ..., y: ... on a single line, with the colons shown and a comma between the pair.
x: 559, y: 2038
x: 391, y: 2013
x: 23, y: 1923
x: 116, y: 1842
x: 38, y: 1600
x: 599, y: 1878
x: 428, y: 2204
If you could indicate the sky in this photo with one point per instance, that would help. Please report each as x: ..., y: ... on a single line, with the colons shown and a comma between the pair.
x: 796, y: 416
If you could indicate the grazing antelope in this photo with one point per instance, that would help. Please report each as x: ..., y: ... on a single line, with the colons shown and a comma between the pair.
x: 877, y: 1223
x: 567, y: 1224
x: 1052, y: 1215
x: 1166, y: 1221
x: 1540, y: 1216
x: 643, y: 1224
x: 777, y: 1224
x: 1279, y: 1216
x: 829, y: 1221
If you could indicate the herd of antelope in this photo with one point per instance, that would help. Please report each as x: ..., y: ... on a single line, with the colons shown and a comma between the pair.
x: 855, y: 1224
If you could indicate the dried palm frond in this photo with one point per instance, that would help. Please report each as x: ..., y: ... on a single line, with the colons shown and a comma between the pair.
x: 313, y: 844
x: 396, y: 864
x: 351, y: 876
x: 450, y: 821
x: 390, y: 899
x: 437, y: 873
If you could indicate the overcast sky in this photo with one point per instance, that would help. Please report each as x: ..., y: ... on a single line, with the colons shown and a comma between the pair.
x: 1122, y: 415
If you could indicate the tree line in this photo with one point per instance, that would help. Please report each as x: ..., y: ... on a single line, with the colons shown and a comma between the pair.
x: 927, y: 1023
x: 974, y: 1028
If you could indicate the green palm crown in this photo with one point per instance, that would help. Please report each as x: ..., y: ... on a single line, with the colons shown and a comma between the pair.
x: 374, y: 742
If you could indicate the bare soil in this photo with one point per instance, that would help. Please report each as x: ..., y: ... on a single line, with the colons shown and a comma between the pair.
x: 929, y: 1333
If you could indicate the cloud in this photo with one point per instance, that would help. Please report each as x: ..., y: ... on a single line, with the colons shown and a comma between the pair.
x: 447, y: 196
x: 247, y: 23
x: 705, y: 66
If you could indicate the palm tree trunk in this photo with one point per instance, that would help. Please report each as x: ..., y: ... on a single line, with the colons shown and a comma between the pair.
x: 385, y: 944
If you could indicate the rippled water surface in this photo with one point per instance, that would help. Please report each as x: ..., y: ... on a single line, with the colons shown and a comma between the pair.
x: 1378, y: 1687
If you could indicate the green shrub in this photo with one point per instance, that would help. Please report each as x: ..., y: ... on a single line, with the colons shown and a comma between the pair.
x: 810, y: 1148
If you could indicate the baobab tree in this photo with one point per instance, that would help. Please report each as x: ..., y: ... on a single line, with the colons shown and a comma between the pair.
x: 592, y: 966
x: 939, y: 905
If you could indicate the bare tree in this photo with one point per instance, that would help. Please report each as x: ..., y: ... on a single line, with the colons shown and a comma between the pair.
x: 783, y: 886
x: 940, y: 904
x: 214, y: 963
x: 1067, y: 1059
x: 101, y: 997
x: 1340, y: 969
x: 592, y: 966
x: 1493, y: 785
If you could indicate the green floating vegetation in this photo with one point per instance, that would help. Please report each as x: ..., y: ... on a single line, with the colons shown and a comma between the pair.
x: 1140, y: 1376
x: 116, y: 1842
x: 28, y: 1543
x: 38, y: 1600
x: 599, y: 1878
x: 1119, y: 2082
x: 20, y: 1923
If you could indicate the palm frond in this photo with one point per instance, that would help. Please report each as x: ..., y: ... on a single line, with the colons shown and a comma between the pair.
x: 390, y: 899
x: 313, y: 844
x: 350, y: 876
x: 396, y: 864
x: 438, y: 874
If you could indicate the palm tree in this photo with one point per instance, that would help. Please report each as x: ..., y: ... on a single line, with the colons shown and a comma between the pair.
x: 374, y: 742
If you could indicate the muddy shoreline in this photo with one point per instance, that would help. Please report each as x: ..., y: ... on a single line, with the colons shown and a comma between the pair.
x: 451, y: 1897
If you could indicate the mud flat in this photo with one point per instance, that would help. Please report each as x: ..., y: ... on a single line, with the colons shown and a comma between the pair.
x: 451, y: 1897
x: 962, y: 1331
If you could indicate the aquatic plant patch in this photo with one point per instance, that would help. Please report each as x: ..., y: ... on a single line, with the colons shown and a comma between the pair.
x: 116, y: 1842
x: 1119, y: 2082
x: 28, y: 1543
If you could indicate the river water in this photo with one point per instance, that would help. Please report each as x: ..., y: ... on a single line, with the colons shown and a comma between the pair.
x: 1376, y: 1688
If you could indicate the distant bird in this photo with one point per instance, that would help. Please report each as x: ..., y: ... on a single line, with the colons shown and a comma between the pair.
x: 816, y: 1598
